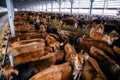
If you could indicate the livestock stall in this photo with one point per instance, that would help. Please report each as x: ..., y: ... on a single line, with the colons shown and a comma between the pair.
x: 39, y: 42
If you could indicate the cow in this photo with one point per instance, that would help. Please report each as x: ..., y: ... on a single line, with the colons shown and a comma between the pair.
x: 87, y: 43
x: 70, y: 37
x: 70, y: 22
x: 33, y: 48
x: 117, y: 50
x: 92, y: 71
x: 42, y: 29
x: 97, y: 34
x: 117, y: 42
x: 51, y: 29
x: 27, y: 36
x: 23, y: 71
x: 55, y: 72
x: 110, y: 68
x: 112, y: 25
x: 52, y: 40
x: 82, y: 22
x: 76, y: 60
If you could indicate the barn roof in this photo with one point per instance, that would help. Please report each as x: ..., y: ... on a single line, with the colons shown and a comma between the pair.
x: 19, y: 3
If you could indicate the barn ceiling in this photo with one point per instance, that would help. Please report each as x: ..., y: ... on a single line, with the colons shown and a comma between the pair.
x: 24, y: 3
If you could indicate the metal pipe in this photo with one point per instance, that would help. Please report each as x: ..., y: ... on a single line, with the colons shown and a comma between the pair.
x: 71, y: 1
x: 46, y: 5
x: 11, y: 60
x: 59, y: 2
x: 10, y: 14
x: 51, y: 7
x: 5, y: 54
x: 103, y: 8
x: 91, y: 5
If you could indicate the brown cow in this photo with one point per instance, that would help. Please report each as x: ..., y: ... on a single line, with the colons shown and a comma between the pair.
x: 23, y: 71
x: 97, y: 34
x: 92, y: 71
x: 26, y: 36
x: 87, y: 43
x: 76, y: 60
x: 70, y: 22
x: 55, y: 72
x: 110, y: 68
x: 52, y: 41
x: 26, y: 46
x: 117, y: 50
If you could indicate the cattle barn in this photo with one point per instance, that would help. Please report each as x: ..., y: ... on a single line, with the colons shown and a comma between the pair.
x: 59, y: 39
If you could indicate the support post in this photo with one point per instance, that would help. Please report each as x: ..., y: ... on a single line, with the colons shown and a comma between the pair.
x: 59, y: 6
x: 103, y: 8
x: 42, y: 7
x: 39, y: 6
x: 46, y: 7
x: 11, y: 16
x: 12, y: 7
x: 36, y: 8
x: 91, y: 5
x: 51, y: 7
x: 71, y: 1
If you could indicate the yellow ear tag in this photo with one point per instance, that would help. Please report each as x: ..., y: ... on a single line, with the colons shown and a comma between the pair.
x: 85, y: 58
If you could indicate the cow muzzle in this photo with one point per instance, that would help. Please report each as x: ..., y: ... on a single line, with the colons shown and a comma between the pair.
x: 80, y: 68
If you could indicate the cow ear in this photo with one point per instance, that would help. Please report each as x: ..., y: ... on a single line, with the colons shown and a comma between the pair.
x: 107, y: 36
x: 73, y: 56
x: 86, y: 56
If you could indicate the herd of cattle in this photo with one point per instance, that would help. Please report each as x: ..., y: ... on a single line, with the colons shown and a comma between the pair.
x: 40, y: 51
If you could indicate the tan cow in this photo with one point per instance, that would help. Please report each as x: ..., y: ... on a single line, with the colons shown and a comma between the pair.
x: 55, y: 72
x: 92, y: 71
x: 26, y: 46
x: 97, y: 34
x: 25, y: 70
x: 76, y: 60
x: 117, y: 50
x: 110, y: 68
x: 87, y: 43
x: 34, y: 48
x: 52, y: 41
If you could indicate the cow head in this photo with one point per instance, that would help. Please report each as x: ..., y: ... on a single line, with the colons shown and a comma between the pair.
x: 78, y: 64
x: 42, y: 28
x: 79, y: 61
x: 56, y: 45
x: 111, y: 38
x: 99, y: 28
x: 8, y: 73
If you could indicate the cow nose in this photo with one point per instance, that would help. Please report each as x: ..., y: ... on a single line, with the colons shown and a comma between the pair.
x: 79, y: 67
x: 109, y: 44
